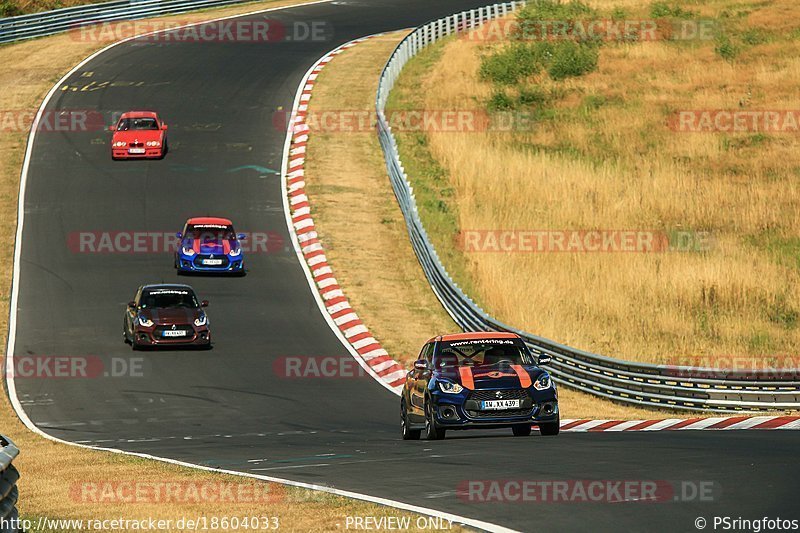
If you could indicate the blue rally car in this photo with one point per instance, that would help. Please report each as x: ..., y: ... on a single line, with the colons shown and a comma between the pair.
x: 209, y: 244
x: 477, y: 380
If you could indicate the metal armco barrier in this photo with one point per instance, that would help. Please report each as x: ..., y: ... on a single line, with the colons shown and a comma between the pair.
x: 8, y: 486
x: 662, y: 386
x: 68, y: 18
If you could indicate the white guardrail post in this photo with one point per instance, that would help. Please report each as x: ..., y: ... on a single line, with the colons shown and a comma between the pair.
x: 643, y: 384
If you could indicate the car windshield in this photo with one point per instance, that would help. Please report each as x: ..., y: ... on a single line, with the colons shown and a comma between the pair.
x: 128, y: 124
x: 488, y: 352
x: 210, y: 232
x: 165, y: 298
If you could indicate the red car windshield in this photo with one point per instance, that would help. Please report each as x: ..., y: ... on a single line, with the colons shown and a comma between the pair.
x: 135, y: 124
x: 489, y: 352
x: 210, y: 233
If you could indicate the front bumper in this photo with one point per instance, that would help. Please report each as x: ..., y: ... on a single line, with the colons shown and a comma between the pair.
x: 458, y: 411
x: 186, y: 263
x: 153, y: 336
x: 150, y: 153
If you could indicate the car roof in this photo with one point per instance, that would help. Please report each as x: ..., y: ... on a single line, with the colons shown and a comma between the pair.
x: 475, y: 336
x: 167, y: 286
x: 139, y: 114
x: 210, y: 220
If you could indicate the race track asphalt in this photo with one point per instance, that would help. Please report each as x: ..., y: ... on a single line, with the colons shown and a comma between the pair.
x: 228, y: 407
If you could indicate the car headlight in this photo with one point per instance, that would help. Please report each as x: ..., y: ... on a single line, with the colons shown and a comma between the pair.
x: 145, y: 322
x: 153, y: 143
x: 202, y: 321
x: 187, y: 251
x: 449, y: 387
x: 120, y: 144
x: 235, y: 253
x: 544, y: 382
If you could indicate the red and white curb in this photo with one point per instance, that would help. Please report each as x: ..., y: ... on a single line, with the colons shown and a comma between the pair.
x: 680, y: 424
x: 335, y: 302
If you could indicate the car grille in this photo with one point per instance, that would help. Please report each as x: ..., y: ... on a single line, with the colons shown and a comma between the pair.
x: 505, y: 394
x: 198, y: 261
x: 136, y: 145
x: 508, y: 394
x: 506, y: 413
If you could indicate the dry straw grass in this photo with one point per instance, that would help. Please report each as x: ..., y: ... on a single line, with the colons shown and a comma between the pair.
x: 610, y: 162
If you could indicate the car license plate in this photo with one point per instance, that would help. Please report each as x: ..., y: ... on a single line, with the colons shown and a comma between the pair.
x: 212, y: 262
x: 499, y: 404
x: 136, y: 151
x: 174, y: 333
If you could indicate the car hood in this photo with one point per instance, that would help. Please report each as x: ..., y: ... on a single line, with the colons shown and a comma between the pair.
x: 172, y: 315
x: 205, y: 246
x: 494, y: 377
x: 138, y: 135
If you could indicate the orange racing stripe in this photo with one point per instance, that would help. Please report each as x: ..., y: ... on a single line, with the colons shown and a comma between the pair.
x: 524, y: 377
x: 466, y: 377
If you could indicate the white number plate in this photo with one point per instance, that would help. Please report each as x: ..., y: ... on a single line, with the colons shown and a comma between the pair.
x: 136, y: 151
x: 499, y: 404
x: 174, y: 333
x: 212, y: 262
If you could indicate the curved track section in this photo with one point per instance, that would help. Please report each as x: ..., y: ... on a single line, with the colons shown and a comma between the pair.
x: 227, y: 408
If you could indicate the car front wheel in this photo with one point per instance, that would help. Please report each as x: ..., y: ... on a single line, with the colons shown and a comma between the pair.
x: 549, y: 429
x: 432, y: 431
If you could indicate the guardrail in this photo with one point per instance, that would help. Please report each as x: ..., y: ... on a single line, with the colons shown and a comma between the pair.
x: 661, y: 386
x: 8, y: 486
x: 60, y: 20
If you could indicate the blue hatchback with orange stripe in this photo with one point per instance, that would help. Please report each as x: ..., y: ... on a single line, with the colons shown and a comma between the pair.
x: 478, y: 380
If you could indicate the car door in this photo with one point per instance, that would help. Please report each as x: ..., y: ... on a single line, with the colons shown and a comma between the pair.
x: 419, y: 382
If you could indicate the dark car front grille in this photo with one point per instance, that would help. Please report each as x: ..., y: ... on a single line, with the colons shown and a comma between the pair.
x: 198, y: 261
x: 136, y: 145
x: 507, y: 394
x: 506, y: 413
x: 472, y: 405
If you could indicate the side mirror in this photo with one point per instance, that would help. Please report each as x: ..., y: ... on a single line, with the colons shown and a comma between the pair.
x: 179, y: 235
x: 131, y: 304
x: 544, y: 359
x: 241, y: 236
x: 420, y: 364
x: 164, y: 127
x: 112, y: 128
x: 204, y: 303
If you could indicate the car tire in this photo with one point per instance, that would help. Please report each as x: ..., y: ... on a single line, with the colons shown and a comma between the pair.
x: 550, y: 429
x: 432, y: 431
x: 408, y: 433
x: 522, y: 430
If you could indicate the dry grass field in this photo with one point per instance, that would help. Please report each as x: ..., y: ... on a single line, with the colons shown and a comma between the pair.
x: 601, y: 153
x: 54, y: 475
x: 9, y: 8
